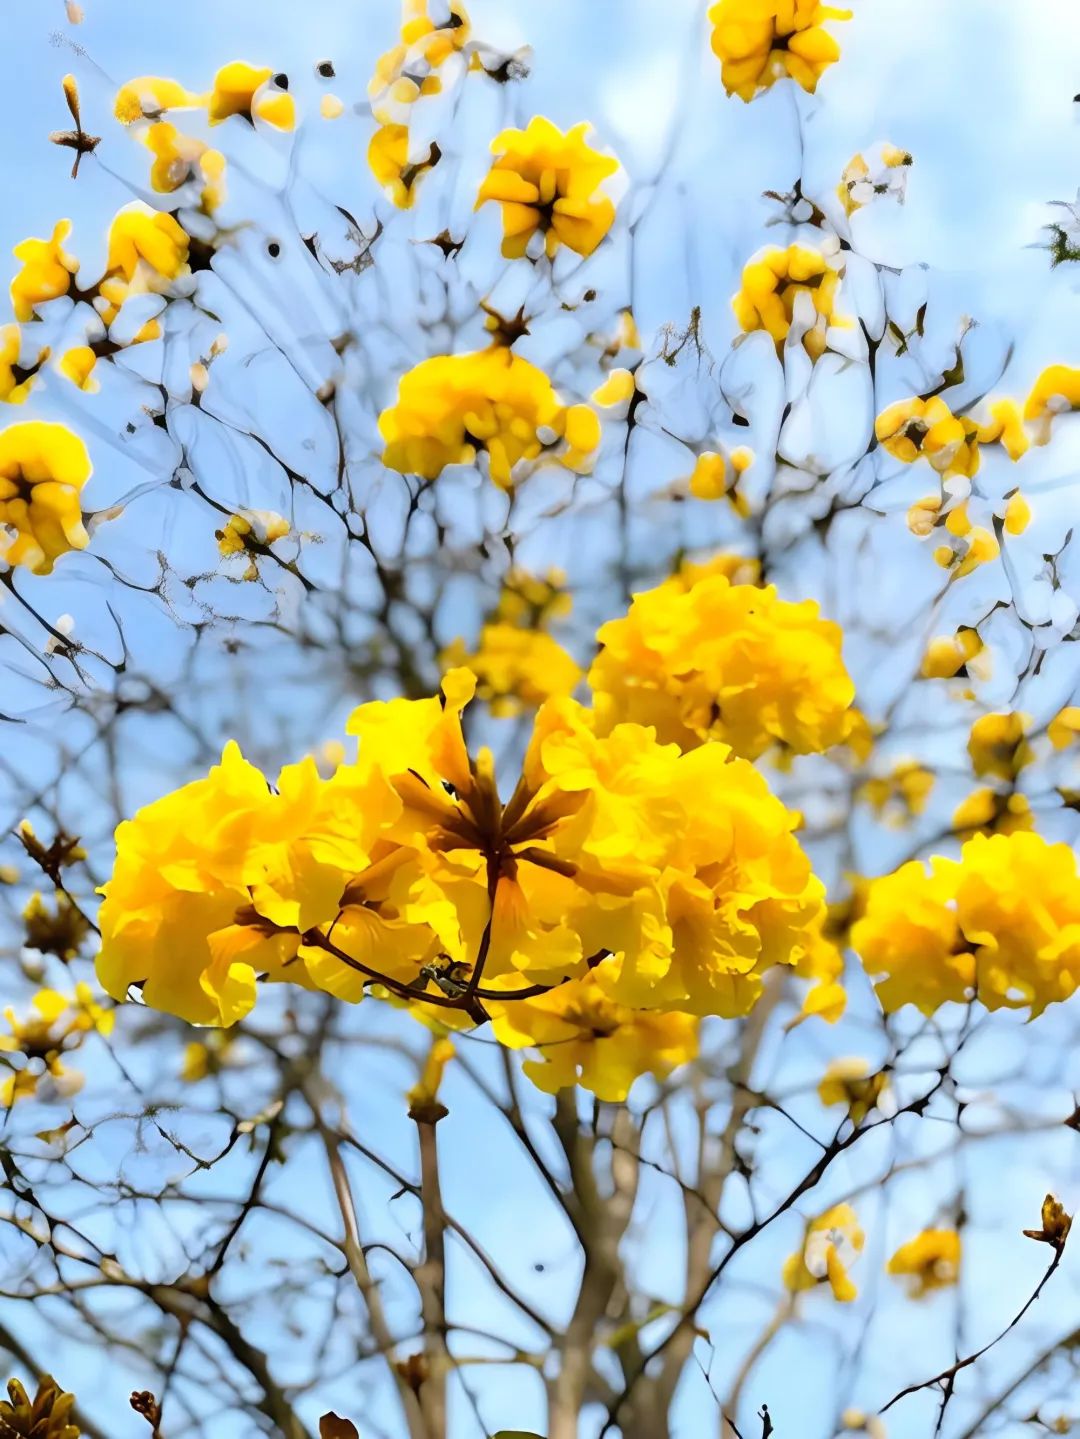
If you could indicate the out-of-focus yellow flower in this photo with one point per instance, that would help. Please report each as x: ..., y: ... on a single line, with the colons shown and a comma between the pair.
x: 147, y: 248
x: 1064, y: 727
x: 709, y: 660
x: 761, y: 41
x: 331, y: 107
x: 585, y: 1038
x: 250, y: 533
x: 986, y: 810
x: 973, y: 546
x: 409, y: 70
x: 16, y: 380
x: 533, y: 600
x: 773, y: 284
x: 901, y: 794
x: 717, y: 478
x: 43, y: 468
x: 207, y: 1056
x: 515, y: 668
x: 929, y: 1261
x: 1017, y: 514
x: 928, y: 429
x: 47, y: 271
x: 242, y: 89
x: 391, y: 164
x: 947, y: 655
x: 1001, y: 924
x: 617, y: 389
x: 451, y: 406
x: 58, y: 1023
x: 832, y: 1242
x: 149, y: 96
x: 179, y: 158
x: 1056, y: 390
x: 548, y: 180
x: 923, y: 515
x: 997, y: 745
x: 851, y: 1082
x: 1006, y: 427
x: 424, y: 1095
x: 60, y: 931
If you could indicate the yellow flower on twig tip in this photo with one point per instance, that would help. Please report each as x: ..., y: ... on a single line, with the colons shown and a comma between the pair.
x: 929, y: 1261
x: 761, y: 41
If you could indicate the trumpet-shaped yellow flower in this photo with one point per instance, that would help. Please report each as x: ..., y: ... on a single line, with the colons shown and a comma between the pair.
x: 396, y: 170
x: 1055, y: 391
x: 832, y: 1242
x: 774, y: 283
x: 708, y: 659
x: 451, y: 406
x: 761, y: 41
x: 852, y: 1083
x: 47, y: 271
x: 43, y: 468
x: 1001, y: 924
x: 148, y: 97
x: 585, y: 1038
x: 242, y: 89
x: 928, y: 429
x: 516, y: 668
x: 548, y: 180
x: 147, y: 248
x: 929, y: 1261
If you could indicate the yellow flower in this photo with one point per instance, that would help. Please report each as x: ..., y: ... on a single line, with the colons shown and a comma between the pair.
x: 60, y: 931
x: 424, y: 1095
x: 903, y: 793
x: 547, y: 180
x: 241, y: 89
x: 47, y: 271
x: 832, y: 1242
x: 584, y: 1038
x: 533, y: 600
x: 77, y: 365
x: 711, y: 480
x: 1006, y: 426
x: 760, y: 41
x: 1055, y: 1224
x: 916, y: 428
x: 450, y: 406
x: 1056, y: 390
x: 997, y: 745
x: 407, y: 72
x: 947, y: 655
x: 617, y: 389
x: 43, y: 468
x: 1064, y: 727
x: 516, y: 668
x: 179, y: 158
x: 391, y: 164
x: 251, y: 533
x: 929, y: 1261
x: 775, y: 283
x: 147, y: 249
x: 148, y: 96
x: 1017, y: 514
x: 58, y: 1023
x: 986, y: 809
x: 1001, y: 924
x: 16, y: 380
x: 206, y: 1056
x: 851, y: 1083
x: 714, y: 660
x: 923, y: 515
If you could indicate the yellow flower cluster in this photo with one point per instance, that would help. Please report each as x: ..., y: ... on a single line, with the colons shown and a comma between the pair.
x: 180, y: 158
x: 250, y: 91
x: 700, y: 658
x: 831, y: 1243
x: 761, y: 41
x: 929, y: 1261
x: 1001, y: 924
x: 58, y: 1024
x: 411, y: 70
x: 250, y: 534
x: 43, y: 468
x: 1055, y: 391
x: 947, y: 655
x: 928, y: 429
x: 680, y: 872
x: 451, y: 406
x: 47, y: 272
x: 548, y: 180
x: 900, y: 795
x: 851, y: 1083
x: 780, y: 289
x: 585, y: 1038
